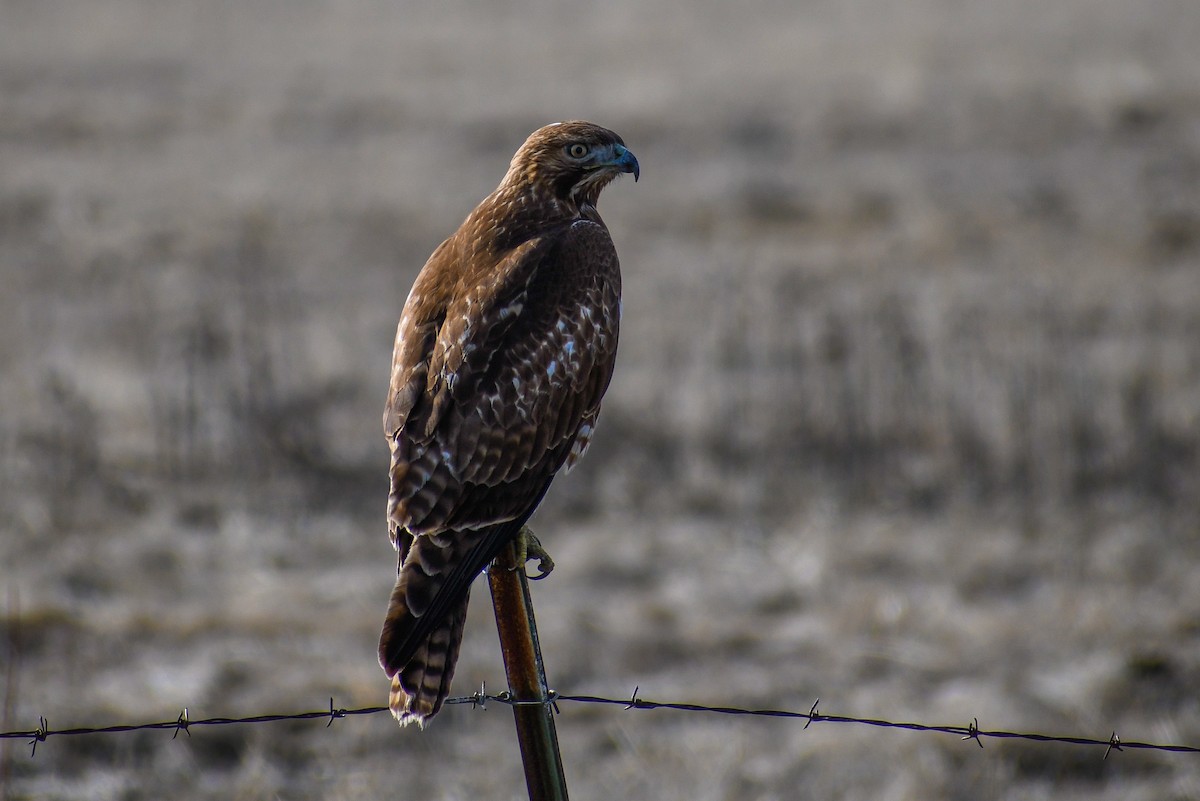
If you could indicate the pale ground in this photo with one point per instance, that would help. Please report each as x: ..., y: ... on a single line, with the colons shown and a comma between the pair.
x: 906, y: 417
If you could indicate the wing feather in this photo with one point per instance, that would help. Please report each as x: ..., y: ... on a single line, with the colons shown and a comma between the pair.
x: 488, y: 393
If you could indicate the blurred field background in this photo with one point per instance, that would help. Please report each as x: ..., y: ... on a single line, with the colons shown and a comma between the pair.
x: 906, y: 414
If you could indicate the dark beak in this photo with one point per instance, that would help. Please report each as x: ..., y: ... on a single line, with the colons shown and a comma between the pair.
x: 626, y: 162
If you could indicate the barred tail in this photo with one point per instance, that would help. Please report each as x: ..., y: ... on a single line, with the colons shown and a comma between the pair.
x: 422, y: 685
x: 423, y: 629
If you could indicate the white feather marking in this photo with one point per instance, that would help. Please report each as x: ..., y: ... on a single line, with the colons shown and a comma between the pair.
x: 579, y: 446
x: 448, y: 458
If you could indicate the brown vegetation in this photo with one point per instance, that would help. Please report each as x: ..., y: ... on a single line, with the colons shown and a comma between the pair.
x: 906, y: 415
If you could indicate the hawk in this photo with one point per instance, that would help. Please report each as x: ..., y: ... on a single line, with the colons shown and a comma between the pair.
x: 505, y: 347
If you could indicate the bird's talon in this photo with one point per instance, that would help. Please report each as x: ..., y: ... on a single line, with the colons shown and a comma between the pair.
x: 529, y: 547
x: 545, y: 567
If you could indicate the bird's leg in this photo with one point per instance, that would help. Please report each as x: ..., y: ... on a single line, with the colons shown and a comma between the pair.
x: 529, y: 547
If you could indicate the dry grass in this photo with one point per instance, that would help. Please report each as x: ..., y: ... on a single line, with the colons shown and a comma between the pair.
x: 907, y: 414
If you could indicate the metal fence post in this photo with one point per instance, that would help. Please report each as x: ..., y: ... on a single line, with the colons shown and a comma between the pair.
x: 532, y: 708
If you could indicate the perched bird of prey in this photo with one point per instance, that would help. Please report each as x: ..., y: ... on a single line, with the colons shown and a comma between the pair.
x: 505, y: 347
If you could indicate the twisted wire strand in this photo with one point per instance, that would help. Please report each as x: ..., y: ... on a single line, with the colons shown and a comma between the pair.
x: 480, y: 699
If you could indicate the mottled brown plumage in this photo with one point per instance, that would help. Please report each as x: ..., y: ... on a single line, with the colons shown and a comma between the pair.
x: 505, y: 347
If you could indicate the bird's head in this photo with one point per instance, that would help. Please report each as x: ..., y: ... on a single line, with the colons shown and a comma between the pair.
x: 572, y: 161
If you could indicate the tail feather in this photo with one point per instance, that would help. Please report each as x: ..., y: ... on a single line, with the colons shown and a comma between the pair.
x: 421, y: 687
x: 423, y: 629
x: 435, y: 575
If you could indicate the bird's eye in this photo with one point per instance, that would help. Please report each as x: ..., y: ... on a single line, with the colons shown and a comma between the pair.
x: 577, y: 150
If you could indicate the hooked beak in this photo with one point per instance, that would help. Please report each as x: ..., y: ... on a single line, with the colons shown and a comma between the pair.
x: 625, y: 161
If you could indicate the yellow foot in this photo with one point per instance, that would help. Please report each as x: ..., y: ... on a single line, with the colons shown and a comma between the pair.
x: 530, y: 548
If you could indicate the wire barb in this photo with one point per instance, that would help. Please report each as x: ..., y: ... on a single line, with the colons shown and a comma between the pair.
x: 813, y: 715
x: 39, y: 735
x: 334, y: 714
x: 1114, y: 743
x: 634, y: 701
x: 479, y: 698
x: 973, y: 733
x: 181, y: 724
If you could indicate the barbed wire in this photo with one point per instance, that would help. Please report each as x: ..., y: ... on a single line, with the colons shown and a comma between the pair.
x: 480, y: 699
